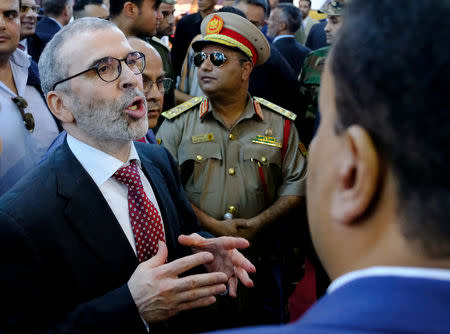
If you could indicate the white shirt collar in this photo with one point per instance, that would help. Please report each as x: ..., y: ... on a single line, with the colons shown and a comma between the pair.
x: 99, y: 165
x: 21, y: 58
x: 59, y: 24
x: 405, y: 272
x: 281, y: 36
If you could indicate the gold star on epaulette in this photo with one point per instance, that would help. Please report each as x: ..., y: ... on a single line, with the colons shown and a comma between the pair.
x: 179, y: 109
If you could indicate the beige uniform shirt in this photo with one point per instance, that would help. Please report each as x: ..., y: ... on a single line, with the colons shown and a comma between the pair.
x: 220, y: 167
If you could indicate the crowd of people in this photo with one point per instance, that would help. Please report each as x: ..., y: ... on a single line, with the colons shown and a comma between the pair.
x: 245, y: 168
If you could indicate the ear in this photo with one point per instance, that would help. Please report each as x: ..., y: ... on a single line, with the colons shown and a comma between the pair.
x: 130, y: 10
x: 358, y: 176
x: 57, y: 103
x: 247, y: 68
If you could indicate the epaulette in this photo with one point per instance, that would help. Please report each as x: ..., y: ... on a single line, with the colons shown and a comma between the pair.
x: 286, y: 113
x: 157, y: 40
x: 181, y: 108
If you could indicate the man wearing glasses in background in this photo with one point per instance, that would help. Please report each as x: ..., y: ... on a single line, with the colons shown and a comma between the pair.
x: 93, y: 238
x: 26, y: 126
x: 239, y: 158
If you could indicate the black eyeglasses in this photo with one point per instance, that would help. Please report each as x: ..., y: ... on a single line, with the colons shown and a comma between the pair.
x: 163, y: 84
x: 216, y: 58
x: 27, y: 118
x: 109, y: 68
x: 25, y: 8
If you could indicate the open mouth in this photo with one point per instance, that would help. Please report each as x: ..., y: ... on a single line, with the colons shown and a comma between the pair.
x: 137, y: 108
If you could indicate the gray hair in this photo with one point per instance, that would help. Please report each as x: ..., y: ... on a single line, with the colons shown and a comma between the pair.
x: 52, y: 67
x: 292, y: 16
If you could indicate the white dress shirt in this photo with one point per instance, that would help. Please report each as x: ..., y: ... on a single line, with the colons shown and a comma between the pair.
x: 101, y: 167
x: 405, y: 272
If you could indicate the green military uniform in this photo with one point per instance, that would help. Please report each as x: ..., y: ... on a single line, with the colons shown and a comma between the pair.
x: 164, y: 52
x: 220, y: 166
x: 309, y: 88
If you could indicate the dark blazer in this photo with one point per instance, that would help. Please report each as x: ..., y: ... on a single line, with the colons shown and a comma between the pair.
x: 36, y: 44
x: 317, y: 37
x: 293, y: 52
x: 375, y: 305
x: 276, y: 82
x: 47, y: 27
x: 64, y: 259
x: 187, y: 28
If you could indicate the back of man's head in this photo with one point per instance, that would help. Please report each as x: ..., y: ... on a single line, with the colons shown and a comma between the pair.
x: 291, y: 16
x: 54, y: 8
x: 90, y: 8
x: 260, y: 3
x: 391, y: 69
x: 116, y: 6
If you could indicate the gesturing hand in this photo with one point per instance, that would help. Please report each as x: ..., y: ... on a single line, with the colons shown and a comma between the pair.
x: 227, y: 259
x: 159, y: 293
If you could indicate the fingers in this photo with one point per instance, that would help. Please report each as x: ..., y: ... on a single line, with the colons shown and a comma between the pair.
x: 160, y: 257
x: 240, y: 260
x: 243, y: 277
x: 201, y: 280
x: 191, y: 240
x: 183, y: 264
x: 232, y: 286
x: 202, y: 302
x: 201, y: 292
x: 226, y: 243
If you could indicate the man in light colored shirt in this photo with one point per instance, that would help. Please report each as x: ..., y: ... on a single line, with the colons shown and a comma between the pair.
x: 378, y: 190
x: 76, y: 235
x: 26, y: 125
x: 307, y: 21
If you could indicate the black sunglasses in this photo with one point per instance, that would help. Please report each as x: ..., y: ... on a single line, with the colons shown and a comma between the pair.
x: 25, y: 8
x: 216, y: 58
x: 109, y: 68
x: 27, y: 118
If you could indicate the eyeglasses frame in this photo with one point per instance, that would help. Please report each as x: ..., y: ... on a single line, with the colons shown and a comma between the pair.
x: 95, y: 67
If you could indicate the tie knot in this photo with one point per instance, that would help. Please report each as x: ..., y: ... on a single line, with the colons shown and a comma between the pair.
x: 129, y: 175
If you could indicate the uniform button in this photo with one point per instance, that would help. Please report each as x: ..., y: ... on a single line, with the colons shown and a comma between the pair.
x: 231, y: 136
x: 199, y: 157
x: 263, y: 160
x: 231, y: 171
x: 231, y: 209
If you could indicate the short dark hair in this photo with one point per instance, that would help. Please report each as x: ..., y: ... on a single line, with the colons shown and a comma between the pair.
x: 259, y: 3
x: 391, y: 69
x: 292, y: 16
x: 80, y: 4
x: 116, y: 6
x: 231, y: 9
x: 306, y: 1
x: 54, y: 7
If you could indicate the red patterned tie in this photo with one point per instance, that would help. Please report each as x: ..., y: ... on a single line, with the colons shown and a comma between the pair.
x: 144, y: 217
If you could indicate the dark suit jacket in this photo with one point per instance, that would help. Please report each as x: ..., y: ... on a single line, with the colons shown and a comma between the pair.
x: 187, y: 28
x: 36, y: 44
x: 276, y: 82
x: 375, y: 305
x: 64, y: 259
x: 317, y: 37
x: 47, y: 27
x: 293, y: 52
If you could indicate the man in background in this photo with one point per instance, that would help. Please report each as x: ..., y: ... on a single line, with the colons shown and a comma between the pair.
x: 90, y: 8
x: 284, y: 21
x: 382, y: 232
x: 58, y: 13
x: 308, y: 22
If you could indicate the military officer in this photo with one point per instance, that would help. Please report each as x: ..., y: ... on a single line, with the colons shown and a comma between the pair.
x: 240, y: 158
x: 312, y: 70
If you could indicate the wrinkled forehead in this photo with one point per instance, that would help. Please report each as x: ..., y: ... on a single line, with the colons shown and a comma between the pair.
x: 82, y: 49
x: 28, y: 2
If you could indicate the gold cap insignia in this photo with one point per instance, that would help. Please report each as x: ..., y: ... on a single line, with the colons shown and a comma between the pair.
x: 215, y: 25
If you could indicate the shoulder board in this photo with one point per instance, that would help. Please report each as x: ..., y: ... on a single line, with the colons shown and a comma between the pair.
x: 286, y: 113
x: 157, y: 40
x: 181, y: 108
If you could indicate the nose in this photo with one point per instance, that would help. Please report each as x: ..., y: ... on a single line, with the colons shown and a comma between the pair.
x: 159, y: 15
x: 327, y: 27
x: 206, y: 65
x: 153, y: 93
x: 129, y: 80
x: 2, y: 22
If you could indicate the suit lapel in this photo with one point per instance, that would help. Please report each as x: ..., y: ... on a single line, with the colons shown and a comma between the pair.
x: 90, y: 214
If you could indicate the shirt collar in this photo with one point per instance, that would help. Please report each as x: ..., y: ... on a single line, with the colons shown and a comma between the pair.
x: 99, y: 165
x: 251, y: 109
x: 282, y: 36
x: 406, y: 272
x: 53, y: 19
x: 21, y: 58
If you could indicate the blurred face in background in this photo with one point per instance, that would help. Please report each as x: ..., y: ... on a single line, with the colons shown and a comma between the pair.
x: 167, y: 23
x: 332, y: 27
x: 304, y: 7
x: 28, y: 18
